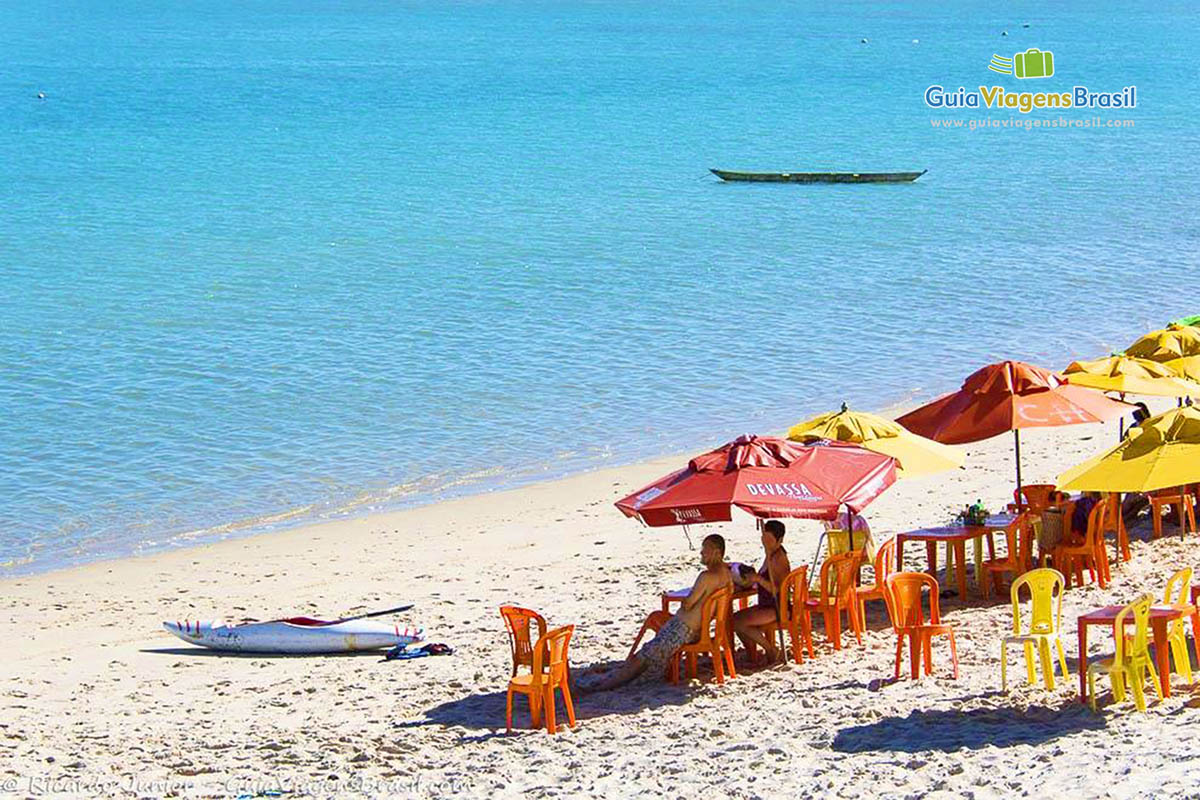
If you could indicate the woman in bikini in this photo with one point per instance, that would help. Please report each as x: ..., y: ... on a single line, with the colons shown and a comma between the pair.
x: 749, y: 623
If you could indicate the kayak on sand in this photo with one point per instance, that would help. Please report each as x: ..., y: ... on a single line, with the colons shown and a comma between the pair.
x: 295, y: 635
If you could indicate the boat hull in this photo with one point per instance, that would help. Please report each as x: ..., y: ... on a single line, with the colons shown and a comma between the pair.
x: 818, y: 177
x: 298, y: 636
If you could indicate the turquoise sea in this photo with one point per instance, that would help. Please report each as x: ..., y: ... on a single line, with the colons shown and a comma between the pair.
x: 272, y: 261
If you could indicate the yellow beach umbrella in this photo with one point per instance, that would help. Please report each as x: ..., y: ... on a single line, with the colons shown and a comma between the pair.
x: 916, y: 455
x: 1188, y: 366
x: 1163, y: 452
x: 1168, y: 344
x: 1130, y: 375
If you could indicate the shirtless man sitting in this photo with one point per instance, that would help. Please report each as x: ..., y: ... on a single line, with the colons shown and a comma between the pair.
x: 683, y: 627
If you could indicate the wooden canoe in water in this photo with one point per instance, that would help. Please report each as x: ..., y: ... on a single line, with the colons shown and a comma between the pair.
x: 819, y: 177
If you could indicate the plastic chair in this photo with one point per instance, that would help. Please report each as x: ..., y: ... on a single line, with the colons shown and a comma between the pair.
x: 1045, y: 624
x: 1034, y: 497
x: 1178, y: 593
x: 908, y: 619
x: 1131, y: 662
x: 1071, y: 558
x: 885, y: 564
x: 1178, y: 498
x: 837, y: 583
x: 1019, y: 556
x: 518, y: 620
x: 653, y: 622
x: 794, y: 614
x: 714, y: 639
x: 1115, y: 524
x: 550, y: 672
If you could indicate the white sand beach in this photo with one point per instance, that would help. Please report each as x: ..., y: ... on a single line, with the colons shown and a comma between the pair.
x: 97, y: 698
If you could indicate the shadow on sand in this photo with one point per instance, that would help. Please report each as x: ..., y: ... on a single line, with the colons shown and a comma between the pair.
x: 484, y: 711
x: 952, y: 730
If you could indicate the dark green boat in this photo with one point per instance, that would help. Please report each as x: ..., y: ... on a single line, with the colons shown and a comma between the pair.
x: 819, y: 177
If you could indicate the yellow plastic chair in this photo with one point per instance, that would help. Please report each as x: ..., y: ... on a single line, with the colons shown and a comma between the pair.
x: 1045, y: 623
x: 1178, y: 593
x: 1131, y: 663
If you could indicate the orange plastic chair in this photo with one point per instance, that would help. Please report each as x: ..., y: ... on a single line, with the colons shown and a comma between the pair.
x: 518, y: 621
x: 1070, y: 558
x: 1131, y: 662
x: 714, y: 639
x: 1115, y: 524
x: 885, y: 564
x: 654, y: 622
x: 837, y: 582
x: 1034, y: 497
x: 1179, y: 498
x: 1045, y: 625
x: 793, y: 613
x: 908, y: 620
x: 550, y: 672
x: 1019, y: 557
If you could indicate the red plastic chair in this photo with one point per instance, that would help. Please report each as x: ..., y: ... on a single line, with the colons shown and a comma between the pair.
x: 1034, y: 497
x: 550, y: 672
x: 1018, y: 560
x: 908, y: 620
x: 794, y: 614
x: 518, y: 621
x: 1179, y: 498
x: 1071, y: 557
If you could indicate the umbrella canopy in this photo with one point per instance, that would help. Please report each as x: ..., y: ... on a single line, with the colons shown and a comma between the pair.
x: 1009, y: 396
x: 915, y: 455
x: 1172, y: 342
x: 766, y: 477
x: 1163, y: 452
x: 1127, y: 374
x: 1194, y: 319
x: 1188, y: 366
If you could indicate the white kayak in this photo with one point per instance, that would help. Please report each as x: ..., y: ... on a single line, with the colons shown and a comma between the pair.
x: 296, y: 635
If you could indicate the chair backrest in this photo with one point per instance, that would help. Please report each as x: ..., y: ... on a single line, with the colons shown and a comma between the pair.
x: 1178, y: 588
x: 1095, y: 529
x: 716, y: 609
x: 793, y: 594
x: 518, y: 620
x: 1140, y: 610
x: 1045, y: 594
x: 1113, y: 520
x: 837, y: 577
x: 1037, y: 496
x: 550, y: 656
x: 885, y: 561
x: 904, y: 590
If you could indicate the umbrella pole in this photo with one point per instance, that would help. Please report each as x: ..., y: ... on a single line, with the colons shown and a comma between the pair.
x: 1017, y: 441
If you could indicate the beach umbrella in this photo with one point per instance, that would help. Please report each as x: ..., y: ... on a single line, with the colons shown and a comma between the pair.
x: 766, y: 477
x: 1194, y: 319
x: 1009, y: 396
x: 915, y: 455
x: 1171, y: 343
x: 1130, y: 375
x: 1162, y: 453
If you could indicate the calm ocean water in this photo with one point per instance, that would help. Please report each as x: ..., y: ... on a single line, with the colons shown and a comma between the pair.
x: 272, y: 261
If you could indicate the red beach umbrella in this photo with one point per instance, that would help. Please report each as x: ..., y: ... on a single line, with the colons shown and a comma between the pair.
x: 766, y: 477
x: 1009, y: 396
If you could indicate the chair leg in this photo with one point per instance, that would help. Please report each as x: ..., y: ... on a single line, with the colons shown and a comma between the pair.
x: 1118, y: 682
x: 508, y: 715
x: 1091, y: 686
x: 954, y: 654
x: 927, y: 651
x: 1003, y: 666
x: 718, y: 670
x: 1047, y: 664
x: 899, y: 652
x: 1183, y: 663
x: 535, y: 710
x: 856, y: 622
x: 1138, y: 679
x: 1062, y: 659
x: 914, y: 653
x: 550, y: 721
x: 1030, y: 674
x: 566, y: 693
x: 806, y: 628
x: 1154, y: 678
x: 833, y: 628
